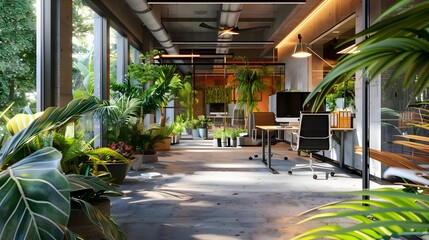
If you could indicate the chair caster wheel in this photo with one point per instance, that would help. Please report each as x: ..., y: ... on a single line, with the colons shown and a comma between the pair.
x: 285, y: 158
x: 256, y: 155
x: 314, y: 176
x: 332, y: 174
x: 289, y: 172
x: 250, y: 158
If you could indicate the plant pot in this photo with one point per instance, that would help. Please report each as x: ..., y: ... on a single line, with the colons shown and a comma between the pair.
x: 195, y: 133
x: 233, y: 142
x: 117, y: 170
x: 80, y: 224
x: 177, y: 138
x: 163, y: 145
x: 149, y: 158
x: 203, y: 132
x: 137, y: 163
x: 224, y: 142
x: 216, y: 142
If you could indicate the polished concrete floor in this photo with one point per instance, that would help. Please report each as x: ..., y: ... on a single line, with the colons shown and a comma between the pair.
x: 196, y: 191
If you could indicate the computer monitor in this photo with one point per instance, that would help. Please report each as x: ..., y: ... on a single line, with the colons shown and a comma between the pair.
x: 218, y: 109
x: 288, y: 105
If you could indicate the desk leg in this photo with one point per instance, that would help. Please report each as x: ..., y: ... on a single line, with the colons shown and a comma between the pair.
x: 341, y: 149
x: 269, y: 153
x: 263, y: 147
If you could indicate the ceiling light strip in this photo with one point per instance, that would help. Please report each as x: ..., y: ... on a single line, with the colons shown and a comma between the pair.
x: 227, y: 2
x: 224, y: 42
x: 306, y: 19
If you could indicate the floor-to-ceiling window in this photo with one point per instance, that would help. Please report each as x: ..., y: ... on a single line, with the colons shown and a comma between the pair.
x: 18, y: 54
x: 83, y: 50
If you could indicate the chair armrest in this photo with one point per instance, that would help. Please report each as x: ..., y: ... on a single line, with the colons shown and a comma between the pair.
x: 254, y: 134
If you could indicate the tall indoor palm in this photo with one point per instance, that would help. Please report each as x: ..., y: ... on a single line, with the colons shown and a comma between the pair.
x: 400, y: 42
x: 249, y: 81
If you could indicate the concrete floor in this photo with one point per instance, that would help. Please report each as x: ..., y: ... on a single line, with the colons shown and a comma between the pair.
x: 218, y: 193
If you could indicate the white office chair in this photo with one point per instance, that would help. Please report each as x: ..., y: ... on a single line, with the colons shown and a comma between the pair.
x: 314, y: 135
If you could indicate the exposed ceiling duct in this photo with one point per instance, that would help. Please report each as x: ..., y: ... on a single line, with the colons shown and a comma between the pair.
x: 144, y: 12
x: 229, y: 16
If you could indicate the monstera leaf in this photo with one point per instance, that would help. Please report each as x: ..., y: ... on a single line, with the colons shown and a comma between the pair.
x: 34, y: 197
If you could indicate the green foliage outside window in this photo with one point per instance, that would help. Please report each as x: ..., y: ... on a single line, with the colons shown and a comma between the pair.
x: 17, y: 54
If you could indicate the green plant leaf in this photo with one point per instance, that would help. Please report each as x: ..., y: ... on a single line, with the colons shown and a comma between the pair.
x: 80, y: 182
x: 51, y: 118
x: 35, y: 199
x: 105, y: 223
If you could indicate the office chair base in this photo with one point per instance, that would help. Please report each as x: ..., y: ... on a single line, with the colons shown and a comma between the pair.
x: 328, y: 171
x: 272, y: 154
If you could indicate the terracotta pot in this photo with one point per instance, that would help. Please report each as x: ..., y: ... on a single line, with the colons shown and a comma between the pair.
x: 163, y: 146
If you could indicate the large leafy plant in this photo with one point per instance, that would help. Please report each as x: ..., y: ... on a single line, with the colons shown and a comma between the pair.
x: 400, y: 42
x: 35, y: 195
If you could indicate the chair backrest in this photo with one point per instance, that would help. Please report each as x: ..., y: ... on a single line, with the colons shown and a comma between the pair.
x: 314, y: 132
x: 263, y: 118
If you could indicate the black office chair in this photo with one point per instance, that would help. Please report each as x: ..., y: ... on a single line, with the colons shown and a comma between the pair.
x: 314, y: 135
x: 263, y: 119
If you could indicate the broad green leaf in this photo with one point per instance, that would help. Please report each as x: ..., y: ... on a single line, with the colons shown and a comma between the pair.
x: 80, y: 182
x: 51, y: 118
x: 35, y: 198
x: 104, y: 222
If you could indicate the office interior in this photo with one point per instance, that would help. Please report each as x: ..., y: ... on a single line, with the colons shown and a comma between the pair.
x: 268, y: 37
x: 320, y: 23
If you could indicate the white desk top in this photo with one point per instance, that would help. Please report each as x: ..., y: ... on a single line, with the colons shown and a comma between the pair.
x: 277, y: 127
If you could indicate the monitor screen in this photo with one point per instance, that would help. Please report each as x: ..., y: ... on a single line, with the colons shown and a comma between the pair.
x: 289, y: 104
x: 217, y: 108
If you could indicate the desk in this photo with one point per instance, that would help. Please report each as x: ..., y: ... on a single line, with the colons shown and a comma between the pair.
x: 268, y: 131
x: 340, y: 141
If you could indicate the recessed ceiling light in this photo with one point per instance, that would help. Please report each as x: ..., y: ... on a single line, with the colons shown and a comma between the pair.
x: 336, y: 32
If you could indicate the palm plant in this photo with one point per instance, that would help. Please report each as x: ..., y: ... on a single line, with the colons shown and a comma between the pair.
x: 187, y: 99
x: 25, y: 210
x: 400, y: 42
x: 249, y: 82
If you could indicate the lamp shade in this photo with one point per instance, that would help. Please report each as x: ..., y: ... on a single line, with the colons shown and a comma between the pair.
x: 301, y: 51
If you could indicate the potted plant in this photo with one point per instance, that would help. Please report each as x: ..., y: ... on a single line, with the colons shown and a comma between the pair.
x: 179, y: 127
x: 144, y: 140
x: 249, y: 82
x: 166, y: 132
x: 342, y: 95
x: 217, y: 135
x: 195, y: 123
x: 233, y: 135
x: 114, y: 160
x: 202, y: 124
x: 223, y: 139
x: 42, y: 170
